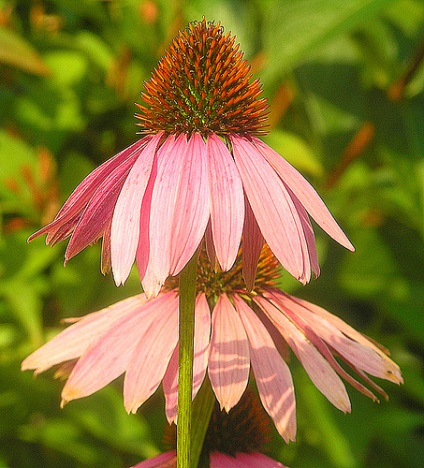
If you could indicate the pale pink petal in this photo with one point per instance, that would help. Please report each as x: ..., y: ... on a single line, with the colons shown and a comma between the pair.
x: 304, y: 191
x: 201, y: 355
x: 319, y: 370
x: 350, y: 344
x: 126, y: 216
x: 164, y: 460
x: 192, y: 204
x: 227, y: 201
x: 81, y: 195
x: 256, y: 460
x: 229, y: 354
x: 222, y: 460
x: 210, y: 248
x: 98, y: 212
x: 170, y: 167
x: 74, y: 340
x: 272, y: 374
x: 150, y: 357
x: 253, y: 242
x: 273, y: 207
x: 108, y: 356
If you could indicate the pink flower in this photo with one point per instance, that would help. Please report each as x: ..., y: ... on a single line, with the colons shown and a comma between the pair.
x: 199, y: 172
x: 216, y: 460
x: 236, y: 331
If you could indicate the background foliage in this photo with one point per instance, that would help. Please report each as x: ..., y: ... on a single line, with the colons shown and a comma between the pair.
x: 344, y: 79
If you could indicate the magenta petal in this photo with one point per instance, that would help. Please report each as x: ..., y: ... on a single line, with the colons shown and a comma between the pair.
x: 273, y: 207
x: 98, y: 212
x: 319, y: 370
x: 255, y: 460
x: 192, y: 209
x: 108, y: 356
x: 227, y: 201
x: 74, y: 340
x: 151, y: 356
x: 85, y: 190
x: 304, y: 191
x: 201, y: 355
x: 272, y: 374
x: 229, y: 354
x: 126, y: 216
x: 164, y: 460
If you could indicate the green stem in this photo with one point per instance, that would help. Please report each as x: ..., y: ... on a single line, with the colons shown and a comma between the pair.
x: 187, y: 302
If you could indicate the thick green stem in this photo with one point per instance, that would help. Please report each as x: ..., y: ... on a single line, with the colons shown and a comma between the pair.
x: 187, y: 301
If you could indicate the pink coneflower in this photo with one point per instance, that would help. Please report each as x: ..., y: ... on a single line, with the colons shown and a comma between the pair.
x: 198, y: 171
x: 233, y: 440
x: 236, y: 331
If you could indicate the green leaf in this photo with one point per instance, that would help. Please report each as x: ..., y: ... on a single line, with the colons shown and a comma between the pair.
x: 298, y: 28
x: 17, y: 52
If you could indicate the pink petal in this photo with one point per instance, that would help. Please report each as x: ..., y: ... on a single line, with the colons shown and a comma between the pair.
x: 170, y: 167
x: 107, y: 357
x: 192, y: 204
x: 222, y: 460
x: 74, y: 340
x: 273, y: 207
x: 201, y: 357
x: 229, y: 354
x: 253, y: 242
x: 319, y: 370
x: 227, y: 204
x: 255, y: 460
x: 85, y: 190
x: 126, y: 216
x: 304, y: 191
x: 98, y: 212
x: 151, y: 356
x: 164, y: 460
x: 272, y: 374
x: 350, y: 344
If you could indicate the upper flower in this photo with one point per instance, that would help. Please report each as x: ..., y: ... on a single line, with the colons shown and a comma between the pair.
x: 199, y: 171
x: 235, y: 331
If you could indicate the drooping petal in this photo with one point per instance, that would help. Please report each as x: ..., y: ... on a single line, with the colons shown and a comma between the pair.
x: 248, y: 460
x: 350, y: 344
x: 192, y: 204
x: 98, y: 212
x: 164, y: 460
x: 85, y: 190
x: 74, y: 340
x: 227, y: 201
x: 201, y: 357
x: 126, y: 216
x: 170, y: 167
x: 272, y: 374
x: 150, y: 357
x: 229, y: 354
x: 108, y: 356
x: 304, y: 191
x: 273, y: 207
x: 319, y: 370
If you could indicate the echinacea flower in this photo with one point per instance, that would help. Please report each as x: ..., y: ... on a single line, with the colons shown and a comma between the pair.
x: 236, y: 330
x: 233, y: 440
x: 199, y: 170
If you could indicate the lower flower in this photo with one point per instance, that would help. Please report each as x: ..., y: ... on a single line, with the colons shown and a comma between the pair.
x: 235, y: 330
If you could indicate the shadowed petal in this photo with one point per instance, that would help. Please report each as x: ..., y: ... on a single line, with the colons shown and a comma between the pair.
x: 272, y: 374
x: 108, y: 356
x: 304, y: 191
x: 151, y: 356
x: 74, y: 340
x: 201, y: 355
x: 126, y: 216
x: 317, y: 367
x: 227, y: 204
x: 273, y: 208
x: 229, y: 354
x: 192, y: 204
x: 164, y: 460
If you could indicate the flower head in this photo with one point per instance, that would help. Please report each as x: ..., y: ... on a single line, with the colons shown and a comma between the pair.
x: 236, y: 331
x: 199, y: 171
